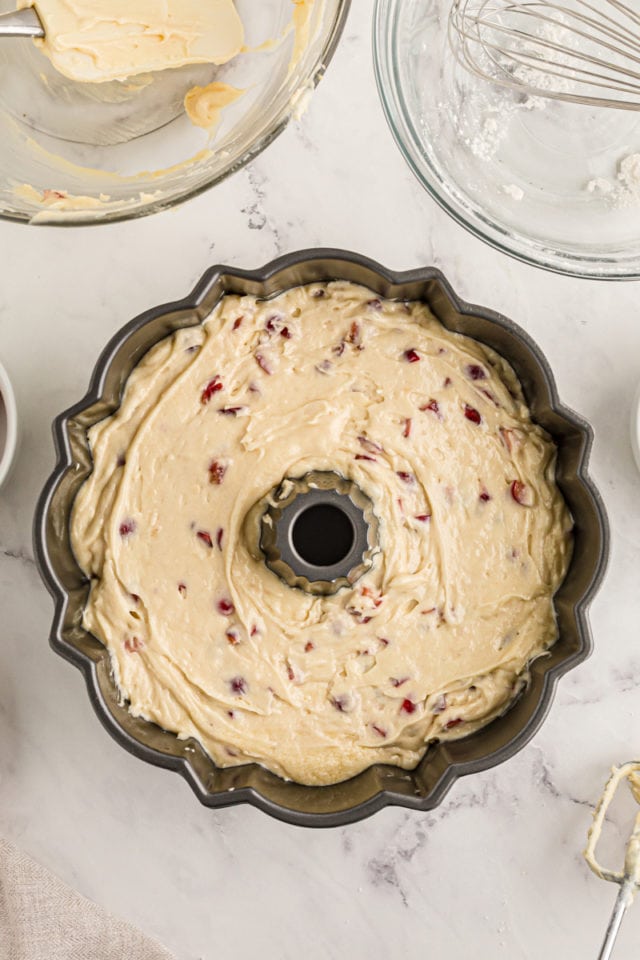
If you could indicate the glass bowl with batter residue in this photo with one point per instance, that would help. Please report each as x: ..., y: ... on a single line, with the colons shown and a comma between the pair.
x: 75, y: 153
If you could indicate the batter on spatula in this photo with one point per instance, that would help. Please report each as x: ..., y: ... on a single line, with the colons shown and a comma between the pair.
x: 100, y: 40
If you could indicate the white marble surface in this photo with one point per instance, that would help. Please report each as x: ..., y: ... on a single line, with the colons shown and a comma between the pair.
x: 496, y: 870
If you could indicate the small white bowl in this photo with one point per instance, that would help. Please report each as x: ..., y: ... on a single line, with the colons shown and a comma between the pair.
x: 8, y: 425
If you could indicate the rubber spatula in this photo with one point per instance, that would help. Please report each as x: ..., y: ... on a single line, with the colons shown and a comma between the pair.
x: 21, y: 23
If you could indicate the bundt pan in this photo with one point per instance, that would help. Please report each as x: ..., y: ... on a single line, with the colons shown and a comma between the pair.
x: 380, y: 785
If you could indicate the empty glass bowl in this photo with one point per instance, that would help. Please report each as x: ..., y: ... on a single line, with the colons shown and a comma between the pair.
x: 79, y: 152
x: 554, y: 184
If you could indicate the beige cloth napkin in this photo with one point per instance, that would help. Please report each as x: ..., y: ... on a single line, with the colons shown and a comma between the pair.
x: 41, y: 918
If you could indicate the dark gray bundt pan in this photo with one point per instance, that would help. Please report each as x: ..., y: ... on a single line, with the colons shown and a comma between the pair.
x: 380, y: 785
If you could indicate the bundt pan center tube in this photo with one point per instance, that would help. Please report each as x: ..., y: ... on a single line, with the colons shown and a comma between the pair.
x: 287, y: 529
x: 318, y: 533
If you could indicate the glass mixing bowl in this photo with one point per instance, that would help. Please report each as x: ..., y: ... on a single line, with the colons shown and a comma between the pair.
x: 93, y: 153
x: 542, y: 180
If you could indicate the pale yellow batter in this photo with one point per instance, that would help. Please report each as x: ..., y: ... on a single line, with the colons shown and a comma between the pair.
x: 474, y: 536
x: 101, y: 40
x: 204, y: 105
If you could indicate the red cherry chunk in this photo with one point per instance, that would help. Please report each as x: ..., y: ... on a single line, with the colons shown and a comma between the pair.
x: 262, y: 363
x: 508, y: 437
x: 490, y: 396
x: 217, y: 471
x: 408, y: 706
x: 212, y: 387
x: 205, y: 537
x: 127, y: 527
x: 133, y: 644
x: 476, y: 372
x: 370, y: 445
x: 355, y: 334
x: 238, y: 686
x: 411, y: 355
x: 522, y: 493
x: 472, y: 414
x: 432, y: 406
x: 226, y: 607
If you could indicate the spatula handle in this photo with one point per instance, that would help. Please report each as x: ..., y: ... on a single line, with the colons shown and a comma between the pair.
x: 21, y: 23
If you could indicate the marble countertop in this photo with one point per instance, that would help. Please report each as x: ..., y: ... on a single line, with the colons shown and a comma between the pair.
x: 496, y: 870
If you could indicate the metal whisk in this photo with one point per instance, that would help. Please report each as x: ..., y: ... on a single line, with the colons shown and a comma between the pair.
x: 582, y: 51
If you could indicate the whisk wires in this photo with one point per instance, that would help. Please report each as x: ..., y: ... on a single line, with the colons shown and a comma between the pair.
x: 581, y: 51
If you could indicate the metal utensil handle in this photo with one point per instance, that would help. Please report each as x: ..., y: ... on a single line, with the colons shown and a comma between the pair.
x: 624, y: 898
x: 21, y: 23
